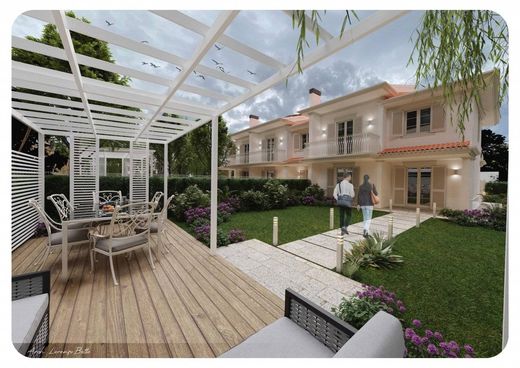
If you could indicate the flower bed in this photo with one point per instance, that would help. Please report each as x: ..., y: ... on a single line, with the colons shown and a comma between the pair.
x: 492, y: 217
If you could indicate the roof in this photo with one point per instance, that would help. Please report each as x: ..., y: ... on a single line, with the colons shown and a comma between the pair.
x: 289, y: 120
x: 426, y: 148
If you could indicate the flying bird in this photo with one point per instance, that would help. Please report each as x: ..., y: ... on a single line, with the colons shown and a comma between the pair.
x: 201, y: 76
x: 195, y: 72
x: 144, y: 62
x: 179, y: 69
x: 218, y: 47
x: 144, y: 41
x: 250, y: 72
x: 108, y: 23
x: 221, y: 69
x: 217, y: 62
x: 155, y: 66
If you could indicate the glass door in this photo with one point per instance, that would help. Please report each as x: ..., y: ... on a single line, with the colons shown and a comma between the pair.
x: 412, y: 186
x: 426, y: 177
x: 270, y: 149
x: 341, y: 138
x: 349, y: 136
x: 419, y: 186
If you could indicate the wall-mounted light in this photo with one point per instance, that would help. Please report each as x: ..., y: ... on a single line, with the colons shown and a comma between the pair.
x: 324, y: 132
x: 370, y: 123
x: 281, y: 139
x: 456, y: 171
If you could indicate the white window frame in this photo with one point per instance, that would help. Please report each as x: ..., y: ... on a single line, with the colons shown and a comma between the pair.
x: 417, y: 121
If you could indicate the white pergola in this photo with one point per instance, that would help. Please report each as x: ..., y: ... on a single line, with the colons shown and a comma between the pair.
x: 148, y: 117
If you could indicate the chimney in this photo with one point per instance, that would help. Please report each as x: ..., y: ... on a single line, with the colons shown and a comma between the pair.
x: 253, y: 121
x: 314, y: 97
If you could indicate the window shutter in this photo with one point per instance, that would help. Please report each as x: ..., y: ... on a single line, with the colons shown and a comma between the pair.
x: 357, y: 127
x: 439, y: 186
x: 399, y: 185
x: 437, y: 118
x: 297, y: 141
x: 397, y: 124
x: 331, y: 131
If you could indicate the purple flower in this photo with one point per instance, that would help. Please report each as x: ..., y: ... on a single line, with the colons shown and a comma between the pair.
x: 452, y: 354
x: 432, y: 349
x: 409, y: 333
x: 402, y: 309
x: 416, y: 323
x: 469, y: 349
x: 438, y: 336
x: 416, y: 340
x: 454, y: 346
x: 424, y: 339
x: 444, y: 346
x: 428, y: 333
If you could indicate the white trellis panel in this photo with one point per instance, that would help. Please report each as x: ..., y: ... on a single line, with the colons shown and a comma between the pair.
x: 139, y: 172
x: 84, y: 174
x: 27, y: 180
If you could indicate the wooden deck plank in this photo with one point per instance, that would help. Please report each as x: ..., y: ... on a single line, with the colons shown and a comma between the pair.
x: 192, y: 304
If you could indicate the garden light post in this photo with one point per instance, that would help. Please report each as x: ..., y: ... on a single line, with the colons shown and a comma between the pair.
x: 390, y: 227
x: 275, y: 231
x: 390, y: 204
x: 434, y: 209
x: 417, y: 217
x: 331, y: 219
x: 339, y: 252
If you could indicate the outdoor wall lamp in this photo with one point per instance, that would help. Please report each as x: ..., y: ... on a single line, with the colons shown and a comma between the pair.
x: 324, y: 132
x: 456, y: 171
x: 370, y: 123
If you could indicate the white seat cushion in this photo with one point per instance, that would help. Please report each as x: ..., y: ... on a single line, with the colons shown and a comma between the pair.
x: 27, y: 314
x: 119, y: 244
x: 74, y: 236
x: 281, y: 339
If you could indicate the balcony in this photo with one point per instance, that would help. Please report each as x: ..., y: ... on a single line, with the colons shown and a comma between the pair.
x: 358, y: 144
x: 258, y: 157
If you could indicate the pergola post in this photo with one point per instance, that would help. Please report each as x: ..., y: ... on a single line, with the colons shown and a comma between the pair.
x: 41, y: 171
x: 166, y: 171
x: 214, y: 184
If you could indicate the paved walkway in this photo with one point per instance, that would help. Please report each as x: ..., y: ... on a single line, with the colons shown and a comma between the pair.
x: 321, y: 248
x: 277, y: 270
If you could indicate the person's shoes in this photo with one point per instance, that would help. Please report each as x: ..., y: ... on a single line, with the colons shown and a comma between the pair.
x: 365, y: 234
x: 344, y: 231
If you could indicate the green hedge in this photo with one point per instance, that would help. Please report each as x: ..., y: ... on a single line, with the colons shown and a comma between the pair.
x: 496, y: 187
x: 60, y: 184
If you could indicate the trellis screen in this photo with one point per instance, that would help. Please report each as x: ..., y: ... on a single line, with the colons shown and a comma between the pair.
x: 139, y: 171
x: 27, y: 182
x: 83, y: 170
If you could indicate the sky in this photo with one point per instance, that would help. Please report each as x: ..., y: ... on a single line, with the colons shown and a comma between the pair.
x: 381, y: 56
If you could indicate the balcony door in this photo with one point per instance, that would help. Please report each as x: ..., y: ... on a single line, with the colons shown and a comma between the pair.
x: 270, y: 149
x: 245, y: 150
x: 344, y: 134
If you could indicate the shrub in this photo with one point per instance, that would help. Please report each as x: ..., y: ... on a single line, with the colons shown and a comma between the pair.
x: 451, y: 213
x: 358, y: 309
x: 234, y: 201
x: 495, y: 198
x: 308, y: 200
x: 253, y: 200
x: 236, y: 236
x: 193, y: 214
x: 202, y: 233
x: 374, y: 251
x: 276, y: 194
x: 315, y: 191
x: 193, y: 197
x: 294, y: 197
x: 492, y: 217
x: 496, y: 187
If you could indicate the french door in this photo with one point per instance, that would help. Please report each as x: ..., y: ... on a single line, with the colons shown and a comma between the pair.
x: 270, y: 149
x: 419, y: 186
x: 345, y: 132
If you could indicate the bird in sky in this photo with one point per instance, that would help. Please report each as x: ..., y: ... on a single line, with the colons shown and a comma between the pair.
x: 144, y: 62
x: 144, y: 41
x: 201, y: 76
x: 179, y: 69
x: 195, y: 72
x: 250, y: 72
x: 218, y: 47
x: 217, y: 62
x: 108, y: 23
x: 155, y: 66
x: 221, y: 69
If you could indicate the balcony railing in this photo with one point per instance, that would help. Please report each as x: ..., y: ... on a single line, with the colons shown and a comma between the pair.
x: 258, y: 157
x: 345, y: 146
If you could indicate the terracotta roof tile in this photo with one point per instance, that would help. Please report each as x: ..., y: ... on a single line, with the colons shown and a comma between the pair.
x: 426, y: 147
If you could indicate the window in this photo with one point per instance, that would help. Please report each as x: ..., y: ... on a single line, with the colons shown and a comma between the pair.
x: 411, y: 122
x: 304, y: 141
x: 418, y: 121
x: 244, y: 174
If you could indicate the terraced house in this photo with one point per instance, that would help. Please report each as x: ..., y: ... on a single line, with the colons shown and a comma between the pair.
x: 403, y: 138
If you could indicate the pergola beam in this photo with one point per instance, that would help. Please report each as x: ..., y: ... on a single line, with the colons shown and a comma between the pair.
x: 362, y: 29
x: 323, y: 33
x: 66, y: 40
x: 26, y: 121
x: 220, y: 25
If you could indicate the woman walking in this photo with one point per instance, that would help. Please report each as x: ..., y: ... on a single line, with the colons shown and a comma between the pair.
x: 367, y: 195
x: 344, y: 196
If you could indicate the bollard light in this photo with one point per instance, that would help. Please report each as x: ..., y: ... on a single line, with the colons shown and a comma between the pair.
x: 418, y: 217
x: 331, y: 219
x: 390, y: 204
x: 434, y: 209
x: 275, y: 231
x: 339, y: 252
x: 390, y: 227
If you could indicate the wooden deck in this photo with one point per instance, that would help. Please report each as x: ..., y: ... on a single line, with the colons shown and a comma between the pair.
x: 192, y: 305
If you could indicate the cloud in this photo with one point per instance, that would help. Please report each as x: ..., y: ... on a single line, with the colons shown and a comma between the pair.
x: 334, y: 80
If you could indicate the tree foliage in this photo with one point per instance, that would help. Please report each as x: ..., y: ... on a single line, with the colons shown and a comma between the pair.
x: 495, y: 151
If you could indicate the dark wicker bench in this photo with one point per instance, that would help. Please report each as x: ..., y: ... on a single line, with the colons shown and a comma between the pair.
x: 309, y: 331
x: 30, y: 300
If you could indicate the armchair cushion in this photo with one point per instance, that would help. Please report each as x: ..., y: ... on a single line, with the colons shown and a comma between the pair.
x: 27, y: 313
x: 75, y: 235
x: 281, y: 339
x: 381, y: 337
x: 119, y: 244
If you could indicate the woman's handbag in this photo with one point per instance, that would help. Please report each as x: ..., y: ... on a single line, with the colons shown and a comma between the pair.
x: 344, y: 200
x: 375, y: 199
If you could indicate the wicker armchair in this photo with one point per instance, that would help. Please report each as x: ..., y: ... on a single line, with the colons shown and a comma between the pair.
x: 30, y: 313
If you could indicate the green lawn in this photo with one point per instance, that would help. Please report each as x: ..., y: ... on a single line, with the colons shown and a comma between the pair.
x: 452, y: 280
x: 293, y: 222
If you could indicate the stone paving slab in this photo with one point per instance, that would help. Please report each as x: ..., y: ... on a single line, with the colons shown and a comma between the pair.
x: 283, y: 270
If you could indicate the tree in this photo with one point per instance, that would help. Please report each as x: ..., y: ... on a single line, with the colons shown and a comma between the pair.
x: 57, y: 146
x: 451, y: 50
x: 495, y: 151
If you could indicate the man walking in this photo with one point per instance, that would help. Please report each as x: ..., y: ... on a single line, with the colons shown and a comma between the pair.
x: 344, y: 195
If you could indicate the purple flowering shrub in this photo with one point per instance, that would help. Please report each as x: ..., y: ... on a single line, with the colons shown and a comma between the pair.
x: 202, y: 234
x: 490, y: 217
x: 424, y: 343
x: 420, y: 342
x: 196, y: 213
x: 236, y: 236
x: 308, y: 200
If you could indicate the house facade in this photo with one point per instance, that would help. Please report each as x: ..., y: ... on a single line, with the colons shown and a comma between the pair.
x: 402, y: 138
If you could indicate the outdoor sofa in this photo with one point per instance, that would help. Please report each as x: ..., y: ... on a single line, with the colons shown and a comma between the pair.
x: 30, y: 313
x: 309, y: 331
